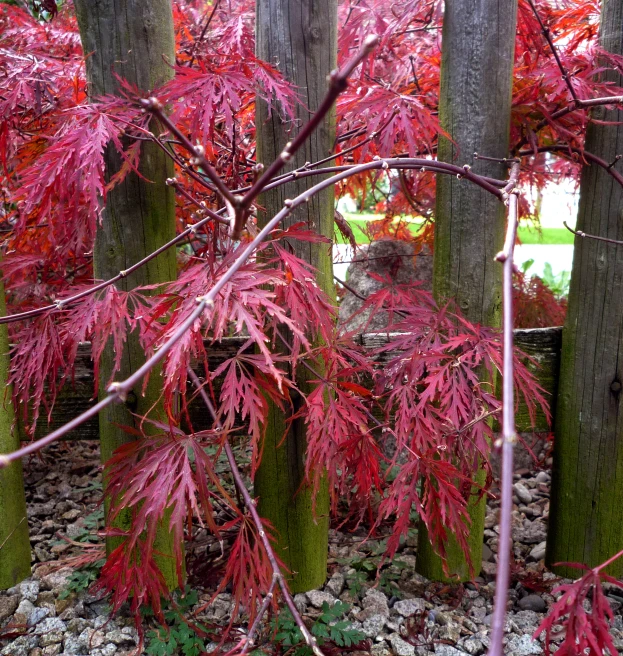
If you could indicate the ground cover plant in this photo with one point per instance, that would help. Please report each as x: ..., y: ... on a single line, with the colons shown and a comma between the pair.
x: 434, y: 396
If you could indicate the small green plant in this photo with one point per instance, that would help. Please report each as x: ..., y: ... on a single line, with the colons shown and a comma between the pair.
x: 177, y: 637
x: 91, y: 524
x: 82, y: 578
x: 559, y: 284
x: 330, y: 626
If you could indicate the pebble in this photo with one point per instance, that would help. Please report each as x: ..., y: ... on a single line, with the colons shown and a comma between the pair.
x: 401, y: 647
x: 29, y: 590
x: 538, y: 552
x: 317, y: 597
x: 373, y: 625
x: 532, y: 602
x: 335, y: 584
x: 8, y: 606
x: 522, y: 492
x: 522, y: 645
x: 409, y: 607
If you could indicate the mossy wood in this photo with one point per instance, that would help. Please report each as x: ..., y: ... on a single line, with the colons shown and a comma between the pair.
x: 14, y: 543
x: 586, y: 515
x: 133, y: 40
x: 301, y: 39
x: 474, y: 110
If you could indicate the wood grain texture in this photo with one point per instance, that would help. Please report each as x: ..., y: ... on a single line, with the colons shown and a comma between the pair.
x: 14, y: 541
x: 135, y: 41
x: 474, y: 110
x: 300, y: 38
x: 586, y: 516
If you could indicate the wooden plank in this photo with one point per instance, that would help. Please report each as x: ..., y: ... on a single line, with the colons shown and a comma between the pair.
x: 542, y: 344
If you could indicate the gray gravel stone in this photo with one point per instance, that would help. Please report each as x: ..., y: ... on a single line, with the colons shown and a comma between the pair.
x: 37, y: 615
x: 532, y: 602
x: 50, y: 624
x: 401, y: 647
x: 447, y: 650
x: 373, y: 625
x: 20, y: 646
x: 534, y: 533
x: 8, y: 605
x: 317, y: 597
x: 29, y: 590
x: 335, y: 584
x: 538, y: 552
x: 375, y: 603
x: 522, y: 492
x: 409, y: 607
x: 120, y: 638
x: 380, y: 649
x: 526, y: 620
x: 106, y: 650
x: 473, y: 646
x: 522, y: 645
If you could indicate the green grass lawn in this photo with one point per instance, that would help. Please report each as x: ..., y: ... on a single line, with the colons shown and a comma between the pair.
x: 527, y: 234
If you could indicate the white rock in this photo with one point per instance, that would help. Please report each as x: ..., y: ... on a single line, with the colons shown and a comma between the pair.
x: 409, y: 607
x: 50, y: 624
x: 373, y: 625
x: 522, y: 492
x: 522, y: 645
x: 29, y: 590
x: 375, y: 603
x: 400, y: 647
x: 317, y: 597
x: 538, y: 552
x: 335, y: 584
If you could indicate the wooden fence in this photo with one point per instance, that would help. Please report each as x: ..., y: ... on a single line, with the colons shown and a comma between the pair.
x: 542, y: 344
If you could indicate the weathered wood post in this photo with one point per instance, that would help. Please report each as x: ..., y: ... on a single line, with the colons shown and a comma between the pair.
x: 474, y: 109
x: 586, y: 514
x: 134, y: 40
x: 301, y: 39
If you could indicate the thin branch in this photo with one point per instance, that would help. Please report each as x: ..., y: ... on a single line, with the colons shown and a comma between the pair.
x: 579, y: 233
x: 203, y: 33
x: 338, y: 84
x: 197, y: 152
x: 548, y: 36
x: 250, y: 504
x: 509, y: 436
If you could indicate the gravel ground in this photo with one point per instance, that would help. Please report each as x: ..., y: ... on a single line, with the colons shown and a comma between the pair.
x: 405, y: 615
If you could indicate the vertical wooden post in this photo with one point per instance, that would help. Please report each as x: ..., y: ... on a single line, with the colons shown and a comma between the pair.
x: 301, y: 39
x: 134, y: 40
x: 586, y: 513
x: 14, y: 541
x: 474, y: 109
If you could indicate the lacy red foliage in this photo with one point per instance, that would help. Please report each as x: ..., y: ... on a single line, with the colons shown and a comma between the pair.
x: 584, y: 611
x: 431, y: 389
x: 536, y: 306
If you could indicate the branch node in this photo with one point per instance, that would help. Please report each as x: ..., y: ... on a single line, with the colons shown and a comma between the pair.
x: 116, y: 389
x: 123, y: 273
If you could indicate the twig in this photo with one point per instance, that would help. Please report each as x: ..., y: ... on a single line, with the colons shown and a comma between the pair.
x: 548, y: 36
x: 338, y: 84
x: 250, y: 504
x: 203, y: 33
x: 509, y: 436
x: 579, y: 233
x: 21, y: 521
